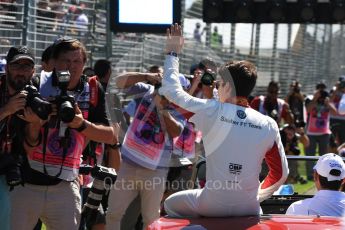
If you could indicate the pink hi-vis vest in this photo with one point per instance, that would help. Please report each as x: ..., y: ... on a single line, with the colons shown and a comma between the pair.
x: 54, y: 152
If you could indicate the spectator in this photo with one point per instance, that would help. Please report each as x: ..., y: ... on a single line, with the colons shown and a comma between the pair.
x: 200, y: 88
x: 146, y: 150
x: 103, y: 72
x: 337, y: 121
x: 101, y: 154
x: 19, y: 71
x: 273, y: 106
x: 329, y: 173
x: 295, y: 99
x: 102, y: 69
x: 54, y: 147
x: 227, y: 124
x: 197, y: 34
x: 216, y: 39
x: 44, y: 11
x: 319, y: 109
x: 81, y: 21
x: 290, y: 136
x: 47, y: 61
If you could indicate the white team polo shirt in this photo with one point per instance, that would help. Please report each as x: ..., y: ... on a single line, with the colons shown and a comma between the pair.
x: 324, y: 203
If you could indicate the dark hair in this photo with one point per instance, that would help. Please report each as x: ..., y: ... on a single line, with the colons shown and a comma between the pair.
x: 65, y: 44
x: 208, y: 63
x: 47, y: 54
x: 101, y: 68
x: 330, y: 185
x: 321, y: 85
x: 242, y: 73
x: 154, y: 68
x: 273, y: 84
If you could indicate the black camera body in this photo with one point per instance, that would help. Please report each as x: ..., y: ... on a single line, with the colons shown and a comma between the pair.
x: 158, y: 85
x: 64, y: 102
x: 323, y: 94
x: 98, y: 172
x: 342, y: 84
x: 300, y: 124
x: 208, y: 77
x: 38, y: 105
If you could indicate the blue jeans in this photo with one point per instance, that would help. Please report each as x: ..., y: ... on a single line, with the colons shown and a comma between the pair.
x: 5, y: 204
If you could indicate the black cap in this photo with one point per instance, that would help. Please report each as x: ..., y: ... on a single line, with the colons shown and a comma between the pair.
x: 17, y: 53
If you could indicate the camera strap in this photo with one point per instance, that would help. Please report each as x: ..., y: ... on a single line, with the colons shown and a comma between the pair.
x: 64, y: 142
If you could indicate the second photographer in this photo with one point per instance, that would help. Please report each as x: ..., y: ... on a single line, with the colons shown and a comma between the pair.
x: 54, y: 147
x: 19, y: 71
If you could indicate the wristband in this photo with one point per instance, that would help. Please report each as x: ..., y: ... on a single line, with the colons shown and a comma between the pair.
x: 82, y: 127
x: 172, y: 53
x: 115, y: 146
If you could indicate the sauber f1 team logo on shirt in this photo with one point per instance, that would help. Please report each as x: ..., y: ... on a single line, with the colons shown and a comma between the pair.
x: 241, y: 114
x: 235, y: 168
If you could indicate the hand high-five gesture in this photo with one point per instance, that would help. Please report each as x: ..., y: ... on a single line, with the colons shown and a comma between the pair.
x: 174, y: 39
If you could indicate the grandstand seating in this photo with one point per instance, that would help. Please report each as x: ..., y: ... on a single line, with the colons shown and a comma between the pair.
x: 315, y: 51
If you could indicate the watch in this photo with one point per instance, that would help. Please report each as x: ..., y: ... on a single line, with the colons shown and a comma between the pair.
x: 115, y: 146
x: 172, y: 53
x: 82, y: 127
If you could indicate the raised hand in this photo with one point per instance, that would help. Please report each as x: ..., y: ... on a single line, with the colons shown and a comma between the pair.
x: 175, y: 39
x: 154, y: 78
x: 15, y: 103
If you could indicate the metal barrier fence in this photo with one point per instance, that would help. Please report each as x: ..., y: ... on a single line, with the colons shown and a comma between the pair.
x: 282, y: 52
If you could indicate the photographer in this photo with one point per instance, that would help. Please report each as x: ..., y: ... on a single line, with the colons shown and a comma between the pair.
x: 19, y: 71
x: 54, y: 146
x: 204, y: 76
x: 273, y: 106
x: 295, y: 99
x: 291, y: 135
x: 337, y: 121
x: 318, y: 129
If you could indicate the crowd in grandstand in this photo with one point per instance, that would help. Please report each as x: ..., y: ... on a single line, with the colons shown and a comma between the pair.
x: 76, y: 155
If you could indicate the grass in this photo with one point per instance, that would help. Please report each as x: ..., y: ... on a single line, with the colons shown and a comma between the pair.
x: 309, y: 186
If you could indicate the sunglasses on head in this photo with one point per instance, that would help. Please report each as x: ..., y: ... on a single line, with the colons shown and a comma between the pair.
x: 64, y: 40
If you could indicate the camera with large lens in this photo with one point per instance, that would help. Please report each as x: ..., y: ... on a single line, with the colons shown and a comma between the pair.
x: 208, y: 77
x: 323, y: 94
x: 342, y: 84
x: 38, y: 105
x: 64, y: 102
x: 103, y: 179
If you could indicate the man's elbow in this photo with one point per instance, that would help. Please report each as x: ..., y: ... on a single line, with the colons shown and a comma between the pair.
x: 341, y: 111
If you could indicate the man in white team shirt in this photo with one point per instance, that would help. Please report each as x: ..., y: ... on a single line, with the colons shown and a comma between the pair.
x: 329, y: 173
x: 236, y: 139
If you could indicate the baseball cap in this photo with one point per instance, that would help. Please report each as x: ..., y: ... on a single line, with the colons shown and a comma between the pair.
x: 330, y: 166
x: 17, y: 53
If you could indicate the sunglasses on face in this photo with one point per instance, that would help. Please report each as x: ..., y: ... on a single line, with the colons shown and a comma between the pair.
x: 17, y: 66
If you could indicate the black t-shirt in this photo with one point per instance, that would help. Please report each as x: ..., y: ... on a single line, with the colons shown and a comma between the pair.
x: 11, y: 126
x: 97, y: 114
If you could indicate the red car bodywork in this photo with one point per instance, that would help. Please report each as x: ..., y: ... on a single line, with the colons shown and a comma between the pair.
x: 264, y: 222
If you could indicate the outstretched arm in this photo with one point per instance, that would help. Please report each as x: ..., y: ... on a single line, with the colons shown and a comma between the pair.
x: 171, y: 87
